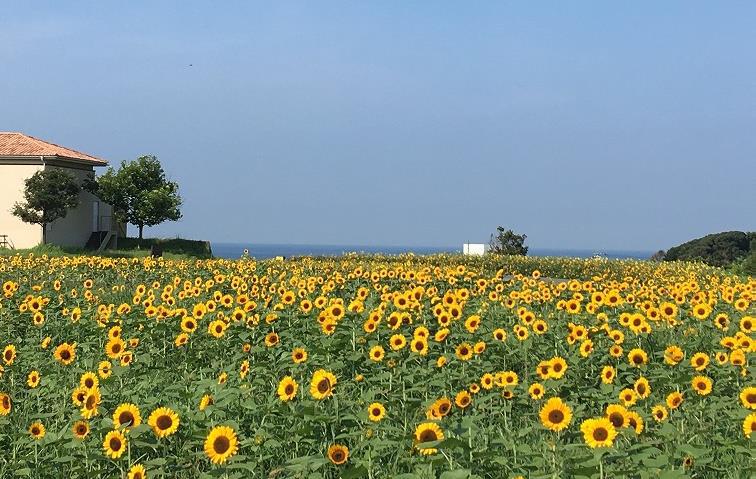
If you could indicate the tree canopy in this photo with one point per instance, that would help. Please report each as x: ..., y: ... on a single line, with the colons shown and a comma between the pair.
x: 139, y: 193
x: 508, y: 242
x: 719, y: 249
x: 48, y: 195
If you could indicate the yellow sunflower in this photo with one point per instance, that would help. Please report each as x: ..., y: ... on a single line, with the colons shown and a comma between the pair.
x: 221, y: 443
x: 9, y: 354
x: 637, y: 357
x: 428, y: 432
x: 702, y: 385
x: 207, y: 400
x: 127, y: 416
x: 137, y: 471
x: 749, y: 424
x: 617, y: 415
x: 91, y: 401
x: 376, y: 412
x: 338, y: 454
x: 377, y: 353
x: 598, y: 432
x: 299, y: 355
x: 80, y: 429
x: 608, y: 373
x: 89, y: 380
x: 674, y: 399
x: 37, y: 430
x: 748, y: 397
x: 557, y: 367
x: 65, y: 354
x: 322, y: 384
x: 635, y: 421
x: 555, y: 414
x: 105, y: 369
x: 659, y: 413
x: 164, y: 422
x: 287, y: 389
x: 115, y: 347
x: 33, y: 379
x: 642, y: 388
x: 114, y: 444
x: 464, y: 352
x: 462, y: 399
x: 536, y: 391
x: 699, y: 361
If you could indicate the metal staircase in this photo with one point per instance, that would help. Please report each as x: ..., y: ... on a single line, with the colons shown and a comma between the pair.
x: 6, y: 243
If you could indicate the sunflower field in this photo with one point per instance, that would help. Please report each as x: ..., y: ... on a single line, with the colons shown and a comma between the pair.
x: 374, y: 366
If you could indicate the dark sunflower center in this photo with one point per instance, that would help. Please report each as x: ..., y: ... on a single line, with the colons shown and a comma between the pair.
x: 751, y: 398
x: 164, y: 422
x: 556, y: 416
x: 338, y: 456
x: 91, y: 402
x: 65, y: 355
x: 428, y: 436
x: 289, y: 389
x: 126, y: 418
x: 616, y: 419
x: 376, y: 412
x: 89, y: 383
x: 221, y: 444
x: 81, y: 430
x: 600, y: 434
x: 324, y: 385
x: 115, y: 444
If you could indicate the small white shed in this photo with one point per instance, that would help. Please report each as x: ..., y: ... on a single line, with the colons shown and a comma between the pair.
x: 474, y: 249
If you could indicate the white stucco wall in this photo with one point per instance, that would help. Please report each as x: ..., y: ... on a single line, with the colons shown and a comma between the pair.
x: 474, y: 249
x: 22, y: 235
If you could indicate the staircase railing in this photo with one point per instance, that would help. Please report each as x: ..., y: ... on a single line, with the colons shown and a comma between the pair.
x: 6, y: 243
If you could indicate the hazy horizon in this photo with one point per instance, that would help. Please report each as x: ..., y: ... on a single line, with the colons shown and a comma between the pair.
x: 585, y: 125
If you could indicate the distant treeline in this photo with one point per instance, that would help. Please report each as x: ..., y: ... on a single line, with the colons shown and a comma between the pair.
x: 719, y: 249
x: 199, y: 249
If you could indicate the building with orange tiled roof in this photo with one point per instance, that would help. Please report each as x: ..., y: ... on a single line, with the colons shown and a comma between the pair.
x: 91, y: 223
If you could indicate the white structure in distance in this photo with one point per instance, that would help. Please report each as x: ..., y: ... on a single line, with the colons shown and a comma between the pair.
x: 474, y: 249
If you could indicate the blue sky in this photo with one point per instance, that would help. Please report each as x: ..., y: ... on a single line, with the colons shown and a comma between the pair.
x: 583, y: 124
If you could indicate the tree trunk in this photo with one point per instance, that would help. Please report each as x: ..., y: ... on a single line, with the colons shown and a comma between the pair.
x: 141, y: 230
x: 44, y: 233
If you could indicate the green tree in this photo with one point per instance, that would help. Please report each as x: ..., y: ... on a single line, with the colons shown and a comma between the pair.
x: 139, y: 193
x: 719, y: 249
x: 508, y: 242
x: 48, y: 195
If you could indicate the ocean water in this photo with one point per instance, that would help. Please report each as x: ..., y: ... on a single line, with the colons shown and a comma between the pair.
x: 263, y: 251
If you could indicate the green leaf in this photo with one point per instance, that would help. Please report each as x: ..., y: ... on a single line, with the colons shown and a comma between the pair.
x: 458, y: 474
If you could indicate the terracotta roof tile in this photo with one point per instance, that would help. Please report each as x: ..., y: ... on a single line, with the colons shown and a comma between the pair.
x: 19, y: 145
